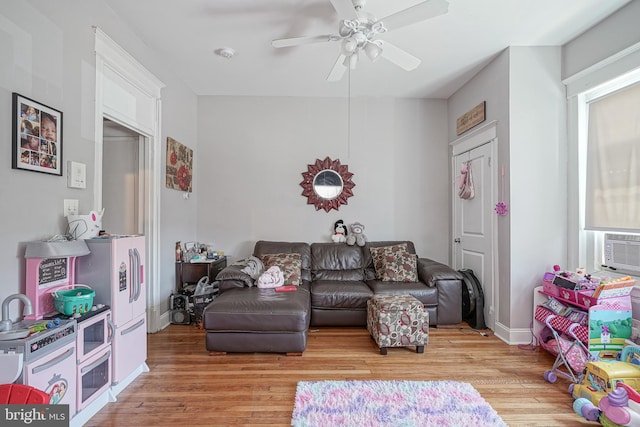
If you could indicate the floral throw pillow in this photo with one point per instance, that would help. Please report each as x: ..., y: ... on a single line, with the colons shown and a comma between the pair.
x: 290, y: 264
x: 395, y: 263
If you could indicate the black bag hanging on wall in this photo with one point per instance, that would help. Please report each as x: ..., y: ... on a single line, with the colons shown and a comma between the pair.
x: 472, y: 300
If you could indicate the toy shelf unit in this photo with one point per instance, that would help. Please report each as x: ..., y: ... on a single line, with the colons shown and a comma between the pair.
x: 601, y: 317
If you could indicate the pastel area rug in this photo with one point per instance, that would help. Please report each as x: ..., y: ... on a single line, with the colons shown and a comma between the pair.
x: 391, y: 403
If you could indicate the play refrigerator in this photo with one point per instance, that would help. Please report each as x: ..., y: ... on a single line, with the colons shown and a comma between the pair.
x: 115, y: 270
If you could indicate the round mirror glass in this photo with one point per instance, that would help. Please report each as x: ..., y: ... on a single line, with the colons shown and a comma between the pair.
x: 327, y: 184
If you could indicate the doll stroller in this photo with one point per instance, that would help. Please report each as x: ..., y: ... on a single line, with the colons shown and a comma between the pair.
x: 571, y: 354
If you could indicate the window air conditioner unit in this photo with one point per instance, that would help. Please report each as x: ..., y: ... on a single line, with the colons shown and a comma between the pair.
x: 622, y: 252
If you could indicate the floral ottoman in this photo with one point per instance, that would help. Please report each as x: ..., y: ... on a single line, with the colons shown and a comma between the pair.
x: 397, y: 321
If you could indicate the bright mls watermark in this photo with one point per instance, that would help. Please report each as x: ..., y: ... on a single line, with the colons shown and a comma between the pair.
x: 34, y: 415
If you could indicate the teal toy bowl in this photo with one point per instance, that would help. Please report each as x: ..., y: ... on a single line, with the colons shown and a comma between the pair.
x: 72, y: 301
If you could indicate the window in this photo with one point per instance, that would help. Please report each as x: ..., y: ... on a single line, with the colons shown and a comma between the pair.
x: 587, y: 94
x: 612, y: 190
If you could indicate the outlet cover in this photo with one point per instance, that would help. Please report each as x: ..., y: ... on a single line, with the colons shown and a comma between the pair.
x: 71, y: 207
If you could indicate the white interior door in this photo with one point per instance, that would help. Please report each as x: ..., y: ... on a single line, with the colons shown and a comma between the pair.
x: 473, y: 223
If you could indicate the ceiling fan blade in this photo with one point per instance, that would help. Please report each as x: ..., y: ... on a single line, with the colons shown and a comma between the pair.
x: 398, y: 56
x: 297, y: 41
x: 338, y: 69
x: 414, y: 14
x: 345, y: 9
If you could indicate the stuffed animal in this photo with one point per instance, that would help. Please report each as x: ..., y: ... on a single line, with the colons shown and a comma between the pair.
x: 85, y: 226
x: 356, y: 237
x: 339, y: 232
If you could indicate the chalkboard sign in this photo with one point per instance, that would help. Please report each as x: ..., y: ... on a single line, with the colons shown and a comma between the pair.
x: 52, y: 270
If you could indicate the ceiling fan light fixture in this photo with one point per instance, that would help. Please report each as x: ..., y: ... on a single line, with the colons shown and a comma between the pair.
x: 373, y: 51
x: 349, y: 45
x: 358, y: 30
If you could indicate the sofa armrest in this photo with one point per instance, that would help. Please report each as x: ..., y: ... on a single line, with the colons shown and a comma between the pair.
x: 431, y: 272
x: 449, y: 284
x: 232, y: 276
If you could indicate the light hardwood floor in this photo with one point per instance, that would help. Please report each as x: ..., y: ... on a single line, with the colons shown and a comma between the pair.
x: 188, y: 387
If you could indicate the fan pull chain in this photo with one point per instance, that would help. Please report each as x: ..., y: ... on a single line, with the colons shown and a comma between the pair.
x: 349, y: 117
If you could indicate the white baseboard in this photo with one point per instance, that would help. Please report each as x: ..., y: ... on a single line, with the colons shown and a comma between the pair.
x: 165, y: 320
x: 90, y: 410
x: 512, y: 336
x: 115, y: 390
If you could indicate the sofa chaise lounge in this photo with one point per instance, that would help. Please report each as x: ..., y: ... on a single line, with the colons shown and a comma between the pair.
x: 335, y: 282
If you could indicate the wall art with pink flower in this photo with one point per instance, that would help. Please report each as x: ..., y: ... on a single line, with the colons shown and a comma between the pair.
x: 179, y: 165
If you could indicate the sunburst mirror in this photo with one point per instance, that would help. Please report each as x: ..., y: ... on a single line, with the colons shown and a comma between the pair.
x: 327, y: 184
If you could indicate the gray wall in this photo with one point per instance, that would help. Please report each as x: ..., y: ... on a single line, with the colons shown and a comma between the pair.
x: 611, y: 36
x: 604, y: 52
x: 537, y: 159
x: 398, y: 148
x: 256, y: 149
x: 48, y: 55
x: 491, y: 84
x: 525, y: 96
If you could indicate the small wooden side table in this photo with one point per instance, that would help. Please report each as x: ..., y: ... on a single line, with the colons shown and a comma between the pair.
x: 191, y: 272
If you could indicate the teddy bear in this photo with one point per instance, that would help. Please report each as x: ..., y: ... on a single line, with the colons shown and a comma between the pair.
x: 356, y: 237
x: 339, y: 232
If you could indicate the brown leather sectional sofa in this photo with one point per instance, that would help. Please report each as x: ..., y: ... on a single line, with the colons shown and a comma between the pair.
x: 337, y: 282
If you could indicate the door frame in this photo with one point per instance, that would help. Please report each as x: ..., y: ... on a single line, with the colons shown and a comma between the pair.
x: 121, y: 72
x: 487, y: 134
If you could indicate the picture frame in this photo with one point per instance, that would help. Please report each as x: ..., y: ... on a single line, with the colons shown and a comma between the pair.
x: 37, y: 136
x: 179, y: 168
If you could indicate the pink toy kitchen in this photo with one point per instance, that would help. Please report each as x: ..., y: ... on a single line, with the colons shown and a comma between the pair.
x: 83, y: 336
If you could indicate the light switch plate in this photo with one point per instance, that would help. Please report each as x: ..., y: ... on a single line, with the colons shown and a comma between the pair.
x: 76, y: 175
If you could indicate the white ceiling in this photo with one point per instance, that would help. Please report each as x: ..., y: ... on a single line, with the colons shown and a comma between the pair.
x: 453, y: 47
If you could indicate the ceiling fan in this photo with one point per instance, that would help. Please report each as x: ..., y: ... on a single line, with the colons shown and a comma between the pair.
x: 358, y: 31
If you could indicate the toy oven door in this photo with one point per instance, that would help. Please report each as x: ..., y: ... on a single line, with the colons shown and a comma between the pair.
x: 94, y: 335
x: 94, y: 378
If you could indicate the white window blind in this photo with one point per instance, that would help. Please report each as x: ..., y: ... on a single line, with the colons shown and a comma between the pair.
x: 612, y: 200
